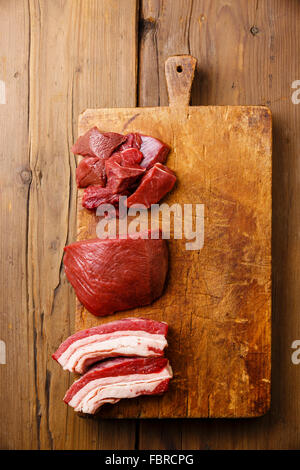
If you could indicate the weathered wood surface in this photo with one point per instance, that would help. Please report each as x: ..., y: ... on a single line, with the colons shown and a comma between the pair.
x: 17, y: 396
x: 240, y: 67
x: 218, y: 300
x: 66, y: 46
x: 235, y: 66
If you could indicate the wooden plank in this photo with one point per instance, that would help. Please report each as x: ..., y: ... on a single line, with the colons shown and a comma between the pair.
x: 236, y: 66
x: 154, y: 50
x: 217, y: 300
x: 15, y: 177
x: 70, y: 46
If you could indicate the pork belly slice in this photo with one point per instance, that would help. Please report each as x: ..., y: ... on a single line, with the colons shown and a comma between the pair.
x: 114, y: 379
x: 111, y: 275
x: 155, y: 184
x: 95, y: 143
x: 126, y: 337
x: 90, y: 171
x: 154, y: 151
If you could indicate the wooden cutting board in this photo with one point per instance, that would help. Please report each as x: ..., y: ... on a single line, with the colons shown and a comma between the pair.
x: 217, y: 300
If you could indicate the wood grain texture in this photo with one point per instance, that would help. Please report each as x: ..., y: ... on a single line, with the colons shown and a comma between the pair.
x: 66, y: 45
x: 15, y: 176
x: 218, y: 300
x: 179, y: 72
x: 235, y: 66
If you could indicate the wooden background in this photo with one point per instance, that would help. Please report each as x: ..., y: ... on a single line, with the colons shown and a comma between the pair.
x: 59, y: 57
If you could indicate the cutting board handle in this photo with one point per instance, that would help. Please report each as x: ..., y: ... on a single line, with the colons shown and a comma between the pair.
x: 179, y: 71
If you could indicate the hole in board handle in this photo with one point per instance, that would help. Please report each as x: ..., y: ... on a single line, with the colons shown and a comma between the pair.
x: 179, y: 68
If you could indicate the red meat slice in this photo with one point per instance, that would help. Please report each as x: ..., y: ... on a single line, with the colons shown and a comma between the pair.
x: 112, y: 275
x: 154, y: 151
x: 123, y: 170
x: 91, y: 170
x: 133, y: 140
x: 95, y: 196
x: 157, y: 182
x: 97, y: 144
x: 126, y: 337
x: 112, y: 380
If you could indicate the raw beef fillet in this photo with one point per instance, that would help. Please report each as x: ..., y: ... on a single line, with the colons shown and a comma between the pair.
x: 132, y: 141
x: 95, y: 196
x: 123, y: 170
x: 114, y: 379
x: 154, y: 151
x: 91, y: 170
x: 126, y: 337
x: 97, y: 144
x: 111, y: 275
x: 156, y: 183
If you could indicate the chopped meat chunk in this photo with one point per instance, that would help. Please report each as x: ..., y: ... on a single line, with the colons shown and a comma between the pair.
x: 133, y: 140
x: 123, y: 170
x: 97, y: 144
x: 95, y: 196
x: 127, y: 157
x: 154, y: 151
x: 155, y: 184
x: 91, y: 170
x: 122, y: 178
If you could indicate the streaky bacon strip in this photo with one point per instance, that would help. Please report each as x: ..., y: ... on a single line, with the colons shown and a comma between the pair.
x: 112, y: 380
x: 126, y: 337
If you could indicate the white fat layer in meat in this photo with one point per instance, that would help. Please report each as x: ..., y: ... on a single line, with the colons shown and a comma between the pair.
x: 100, y: 337
x: 111, y: 389
x: 125, y: 343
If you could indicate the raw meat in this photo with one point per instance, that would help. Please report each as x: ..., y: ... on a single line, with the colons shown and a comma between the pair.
x: 122, y: 178
x: 95, y: 196
x: 114, y: 379
x: 127, y: 157
x: 133, y: 140
x: 156, y: 183
x: 126, y: 337
x: 154, y: 151
x: 97, y: 144
x: 91, y: 170
x: 123, y: 170
x: 111, y: 275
